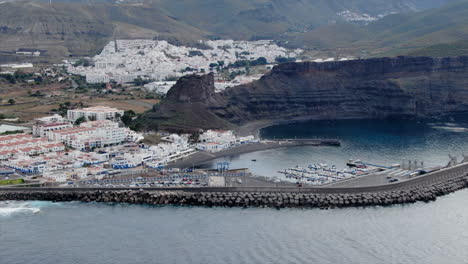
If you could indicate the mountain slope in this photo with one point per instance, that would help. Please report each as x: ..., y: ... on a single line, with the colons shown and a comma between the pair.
x: 397, y: 34
x: 83, y: 27
x: 443, y: 25
x: 269, y: 18
x: 66, y: 28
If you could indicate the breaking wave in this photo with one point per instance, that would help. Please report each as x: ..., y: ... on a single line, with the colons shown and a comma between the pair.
x: 10, y: 208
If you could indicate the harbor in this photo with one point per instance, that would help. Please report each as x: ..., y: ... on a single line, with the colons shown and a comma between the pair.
x: 204, y: 157
x: 357, y: 173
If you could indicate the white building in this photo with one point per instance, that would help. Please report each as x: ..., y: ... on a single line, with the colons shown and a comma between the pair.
x: 213, y: 146
x: 51, y: 119
x: 220, y: 136
x: 132, y: 159
x: 95, y: 113
x: 40, y: 130
x: 25, y: 144
x: 67, y: 174
x: 159, y: 60
x: 97, y: 78
x: 92, y: 134
x: 217, y: 140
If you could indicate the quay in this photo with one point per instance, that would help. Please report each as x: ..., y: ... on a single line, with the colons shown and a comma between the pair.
x: 204, y: 157
x: 425, y: 188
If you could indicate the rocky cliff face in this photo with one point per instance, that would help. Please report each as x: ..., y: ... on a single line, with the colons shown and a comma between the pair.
x: 372, y: 88
x: 192, y: 88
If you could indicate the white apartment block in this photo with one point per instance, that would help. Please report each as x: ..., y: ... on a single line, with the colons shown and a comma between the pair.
x: 51, y: 119
x: 25, y: 144
x: 40, y: 130
x: 95, y: 113
x: 91, y: 134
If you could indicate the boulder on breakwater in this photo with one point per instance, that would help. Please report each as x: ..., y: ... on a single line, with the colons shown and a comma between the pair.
x: 245, y: 199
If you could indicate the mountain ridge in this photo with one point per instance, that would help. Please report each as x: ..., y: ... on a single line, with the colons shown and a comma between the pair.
x: 84, y: 27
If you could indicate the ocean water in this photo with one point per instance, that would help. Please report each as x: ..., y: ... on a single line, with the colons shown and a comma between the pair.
x: 384, y: 142
x: 420, y: 233
x: 426, y: 233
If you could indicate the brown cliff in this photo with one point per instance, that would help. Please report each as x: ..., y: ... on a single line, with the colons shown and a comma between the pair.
x: 371, y: 88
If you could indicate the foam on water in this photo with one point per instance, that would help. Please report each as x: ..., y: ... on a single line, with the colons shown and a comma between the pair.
x: 10, y: 208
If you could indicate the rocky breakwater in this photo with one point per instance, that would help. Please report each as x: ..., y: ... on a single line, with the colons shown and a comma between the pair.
x: 370, y: 88
x: 229, y: 198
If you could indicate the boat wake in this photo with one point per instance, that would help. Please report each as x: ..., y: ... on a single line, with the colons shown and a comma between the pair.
x: 452, y: 127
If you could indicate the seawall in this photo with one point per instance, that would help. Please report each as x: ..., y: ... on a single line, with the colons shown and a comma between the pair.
x: 232, y: 197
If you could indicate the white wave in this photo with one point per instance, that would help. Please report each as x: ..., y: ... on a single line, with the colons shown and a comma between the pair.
x: 10, y: 208
x: 451, y: 128
x: 10, y: 211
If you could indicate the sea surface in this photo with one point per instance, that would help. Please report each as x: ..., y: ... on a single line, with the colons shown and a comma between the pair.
x: 420, y: 233
x: 383, y: 142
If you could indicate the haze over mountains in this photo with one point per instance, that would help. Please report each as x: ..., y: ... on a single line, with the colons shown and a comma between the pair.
x: 355, y: 28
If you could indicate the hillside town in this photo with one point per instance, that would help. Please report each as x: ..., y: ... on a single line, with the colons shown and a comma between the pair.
x: 126, y: 60
x: 92, y: 143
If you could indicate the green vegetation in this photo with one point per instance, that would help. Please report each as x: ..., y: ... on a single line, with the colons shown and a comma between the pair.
x: 284, y: 60
x: 8, y: 77
x: 20, y: 77
x: 194, y: 53
x: 12, y: 101
x: 248, y: 63
x: 63, y: 108
x: 234, y: 74
x: 83, y: 62
x: 11, y: 182
x: 140, y: 82
x: 128, y: 117
x: 12, y: 132
x: 80, y: 120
